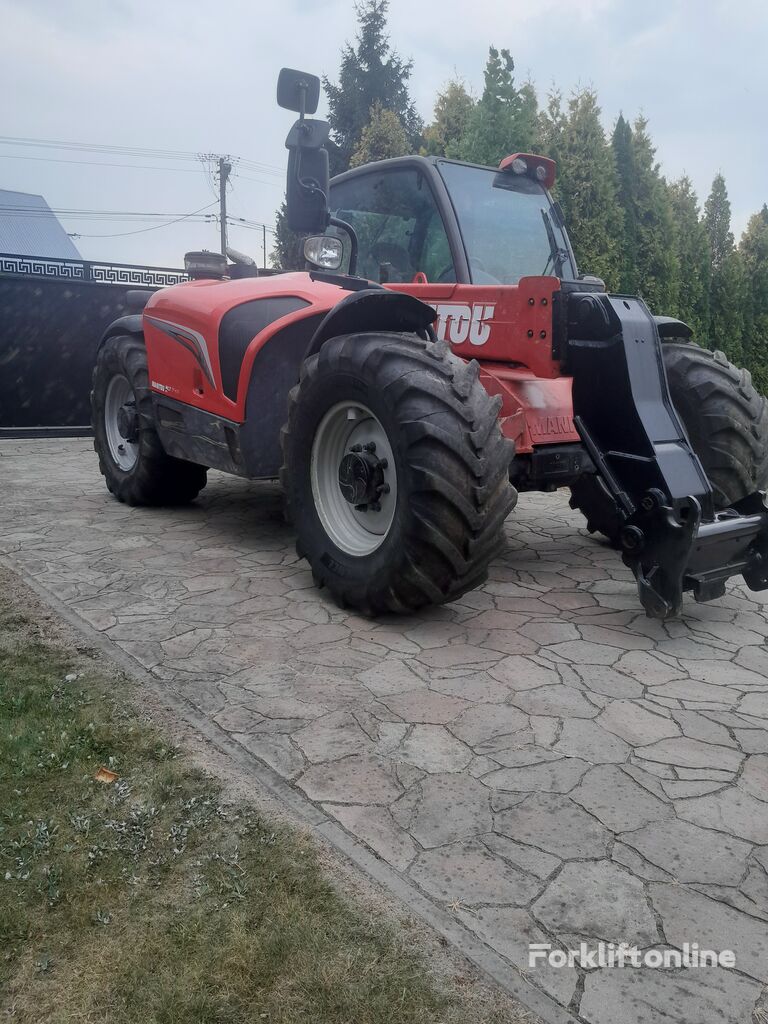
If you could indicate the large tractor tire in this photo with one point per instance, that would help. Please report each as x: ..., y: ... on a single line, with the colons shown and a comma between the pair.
x: 726, y: 420
x: 396, y: 473
x: 132, y: 460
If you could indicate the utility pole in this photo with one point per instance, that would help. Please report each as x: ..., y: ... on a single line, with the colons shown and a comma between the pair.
x: 264, y: 234
x: 224, y: 170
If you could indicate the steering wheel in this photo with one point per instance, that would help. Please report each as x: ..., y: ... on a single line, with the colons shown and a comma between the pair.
x: 483, y: 276
x: 478, y: 265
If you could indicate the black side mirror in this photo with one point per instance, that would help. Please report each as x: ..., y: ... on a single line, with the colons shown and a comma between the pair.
x: 307, y: 194
x: 308, y: 174
x: 296, y: 90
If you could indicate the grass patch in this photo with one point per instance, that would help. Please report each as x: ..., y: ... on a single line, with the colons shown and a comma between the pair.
x: 150, y: 899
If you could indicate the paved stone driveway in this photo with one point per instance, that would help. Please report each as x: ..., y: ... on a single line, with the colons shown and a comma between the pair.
x: 538, y: 758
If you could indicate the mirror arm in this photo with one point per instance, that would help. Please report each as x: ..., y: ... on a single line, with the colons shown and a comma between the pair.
x: 352, y: 242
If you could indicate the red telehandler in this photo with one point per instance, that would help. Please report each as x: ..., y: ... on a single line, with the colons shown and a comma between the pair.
x: 440, y: 354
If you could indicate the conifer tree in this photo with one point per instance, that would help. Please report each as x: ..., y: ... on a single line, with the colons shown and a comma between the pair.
x: 383, y: 137
x: 372, y: 75
x: 287, y: 253
x: 753, y: 250
x: 371, y: 72
x: 586, y: 182
x: 692, y: 251
x: 503, y: 121
x: 717, y: 218
x: 624, y: 155
x: 728, y: 289
x: 655, y: 258
x: 453, y: 108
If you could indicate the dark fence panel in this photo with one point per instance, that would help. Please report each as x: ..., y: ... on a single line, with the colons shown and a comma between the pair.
x: 52, y: 315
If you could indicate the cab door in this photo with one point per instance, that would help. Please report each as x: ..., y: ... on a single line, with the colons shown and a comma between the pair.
x: 401, y: 232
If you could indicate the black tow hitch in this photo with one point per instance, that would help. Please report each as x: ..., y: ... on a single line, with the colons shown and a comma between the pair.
x: 672, y: 538
x: 671, y: 552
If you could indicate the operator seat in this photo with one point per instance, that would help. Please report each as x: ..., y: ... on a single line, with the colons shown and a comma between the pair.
x: 397, y: 256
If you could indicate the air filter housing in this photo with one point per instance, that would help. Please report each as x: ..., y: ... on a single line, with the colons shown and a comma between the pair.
x: 205, y: 265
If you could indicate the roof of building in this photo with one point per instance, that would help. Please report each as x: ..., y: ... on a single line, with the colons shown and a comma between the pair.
x: 28, y: 227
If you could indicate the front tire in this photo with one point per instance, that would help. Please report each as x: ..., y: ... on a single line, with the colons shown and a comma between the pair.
x: 396, y: 473
x: 726, y: 420
x: 133, y: 462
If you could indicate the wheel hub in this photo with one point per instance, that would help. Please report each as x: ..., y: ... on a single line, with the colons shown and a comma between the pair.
x: 354, y: 478
x: 121, y: 423
x: 128, y: 422
x: 361, y: 477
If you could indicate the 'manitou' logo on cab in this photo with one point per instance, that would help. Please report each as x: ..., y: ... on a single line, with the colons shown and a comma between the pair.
x: 549, y: 426
x: 458, y: 322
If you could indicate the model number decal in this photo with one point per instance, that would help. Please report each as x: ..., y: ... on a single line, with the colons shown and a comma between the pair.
x: 167, y: 389
x: 459, y: 322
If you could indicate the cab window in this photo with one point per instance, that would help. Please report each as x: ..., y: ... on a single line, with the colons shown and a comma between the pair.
x: 399, y: 228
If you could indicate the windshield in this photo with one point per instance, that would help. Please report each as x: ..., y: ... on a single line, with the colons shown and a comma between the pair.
x: 507, y: 225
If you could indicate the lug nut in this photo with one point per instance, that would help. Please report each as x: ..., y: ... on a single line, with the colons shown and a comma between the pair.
x: 370, y: 447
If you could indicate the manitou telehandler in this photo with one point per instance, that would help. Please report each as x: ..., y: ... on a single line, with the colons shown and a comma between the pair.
x: 440, y: 354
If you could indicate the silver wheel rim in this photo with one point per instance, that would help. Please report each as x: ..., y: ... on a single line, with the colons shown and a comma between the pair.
x: 124, y: 453
x: 354, y: 531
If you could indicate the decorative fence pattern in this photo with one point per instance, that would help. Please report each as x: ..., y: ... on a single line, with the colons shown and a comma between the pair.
x: 83, y: 270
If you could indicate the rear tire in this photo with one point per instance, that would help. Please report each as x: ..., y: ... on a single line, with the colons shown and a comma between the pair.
x: 133, y: 462
x: 725, y: 417
x: 726, y: 420
x: 437, y: 476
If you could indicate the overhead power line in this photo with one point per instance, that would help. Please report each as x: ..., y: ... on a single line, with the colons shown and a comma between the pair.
x: 139, y: 231
x: 143, y: 151
x: 259, y: 181
x: 255, y: 225
x: 126, y: 155
x: 131, y: 151
x: 22, y: 210
x: 98, y: 163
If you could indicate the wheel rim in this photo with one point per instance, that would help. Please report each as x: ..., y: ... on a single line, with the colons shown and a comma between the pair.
x: 125, y: 452
x: 354, y: 481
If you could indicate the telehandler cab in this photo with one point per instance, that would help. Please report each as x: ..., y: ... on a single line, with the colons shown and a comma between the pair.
x: 441, y: 354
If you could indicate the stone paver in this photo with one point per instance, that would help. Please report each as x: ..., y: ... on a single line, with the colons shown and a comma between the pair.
x: 599, y: 900
x: 538, y: 758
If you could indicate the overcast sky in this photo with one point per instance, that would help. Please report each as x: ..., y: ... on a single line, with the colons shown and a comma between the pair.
x: 200, y: 76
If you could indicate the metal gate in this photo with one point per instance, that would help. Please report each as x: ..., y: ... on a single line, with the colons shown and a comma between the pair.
x: 52, y: 315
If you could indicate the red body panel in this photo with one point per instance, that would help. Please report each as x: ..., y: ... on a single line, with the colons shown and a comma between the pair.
x: 199, y: 306
x: 499, y: 323
x: 506, y: 328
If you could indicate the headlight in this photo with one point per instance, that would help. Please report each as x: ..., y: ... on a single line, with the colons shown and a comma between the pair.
x: 324, y: 251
